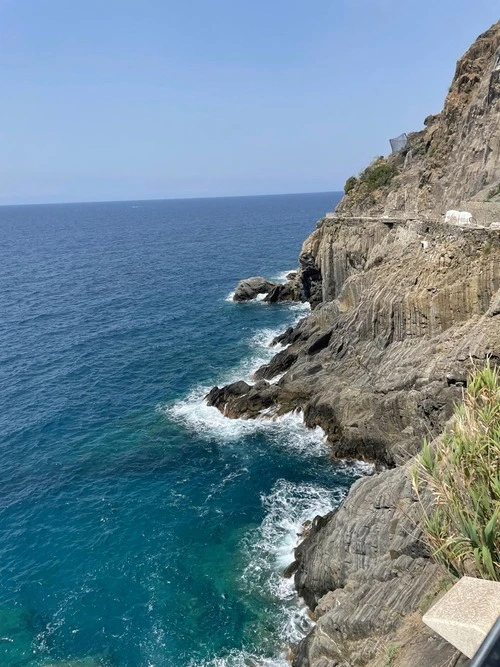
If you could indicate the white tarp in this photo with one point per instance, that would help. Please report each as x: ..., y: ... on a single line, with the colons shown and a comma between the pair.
x: 458, y: 217
x: 452, y: 216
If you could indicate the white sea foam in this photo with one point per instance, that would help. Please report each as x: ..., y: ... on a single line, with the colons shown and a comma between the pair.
x: 269, y: 549
x: 286, y: 431
x: 302, y: 307
x: 208, y: 422
x: 229, y: 297
x: 288, y: 507
x: 282, y: 277
x: 243, y: 659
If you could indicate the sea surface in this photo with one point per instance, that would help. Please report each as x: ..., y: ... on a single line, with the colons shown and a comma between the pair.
x: 138, y: 527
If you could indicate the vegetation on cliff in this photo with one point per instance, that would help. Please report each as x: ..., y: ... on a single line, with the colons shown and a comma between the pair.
x: 377, y: 175
x: 462, y: 472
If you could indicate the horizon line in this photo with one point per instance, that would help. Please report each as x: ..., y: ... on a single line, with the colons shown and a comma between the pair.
x: 156, y: 199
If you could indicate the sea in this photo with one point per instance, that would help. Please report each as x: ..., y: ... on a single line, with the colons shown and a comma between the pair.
x: 139, y: 527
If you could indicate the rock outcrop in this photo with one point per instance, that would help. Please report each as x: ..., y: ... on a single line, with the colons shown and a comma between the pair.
x: 363, y: 569
x: 404, y: 313
x: 456, y: 158
x: 250, y: 288
x: 403, y: 307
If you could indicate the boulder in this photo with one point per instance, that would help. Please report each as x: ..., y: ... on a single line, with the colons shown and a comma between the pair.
x: 249, y: 288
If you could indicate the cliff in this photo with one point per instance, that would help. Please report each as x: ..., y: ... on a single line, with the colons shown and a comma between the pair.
x: 455, y: 159
x: 403, y: 307
x: 379, y: 363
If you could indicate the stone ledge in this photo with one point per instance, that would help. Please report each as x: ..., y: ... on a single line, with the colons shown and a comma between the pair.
x: 466, y: 614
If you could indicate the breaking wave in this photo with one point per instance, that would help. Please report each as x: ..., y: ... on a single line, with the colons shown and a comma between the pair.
x: 208, y: 422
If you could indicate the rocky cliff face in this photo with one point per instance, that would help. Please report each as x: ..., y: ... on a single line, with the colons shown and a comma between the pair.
x: 402, y: 309
x: 365, y: 570
x: 456, y: 157
x: 404, y: 312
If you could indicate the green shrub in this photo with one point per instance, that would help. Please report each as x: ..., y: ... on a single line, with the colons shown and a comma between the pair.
x: 350, y: 184
x: 377, y: 175
x: 462, y: 472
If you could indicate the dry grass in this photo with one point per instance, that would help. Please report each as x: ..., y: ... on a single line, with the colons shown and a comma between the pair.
x: 462, y: 472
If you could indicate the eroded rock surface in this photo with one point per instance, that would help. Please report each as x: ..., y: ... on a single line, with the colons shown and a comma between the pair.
x: 362, y: 570
x: 382, y: 359
x: 456, y: 158
x: 250, y: 288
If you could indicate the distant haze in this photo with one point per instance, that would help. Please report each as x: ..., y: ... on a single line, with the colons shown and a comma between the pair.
x: 158, y: 99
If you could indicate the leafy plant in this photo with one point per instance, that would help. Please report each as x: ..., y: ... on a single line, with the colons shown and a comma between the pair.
x: 378, y: 175
x: 462, y: 473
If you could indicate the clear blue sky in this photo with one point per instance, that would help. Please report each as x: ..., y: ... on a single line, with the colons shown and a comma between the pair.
x: 128, y: 99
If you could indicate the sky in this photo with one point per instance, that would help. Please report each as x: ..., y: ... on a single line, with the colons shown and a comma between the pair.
x: 128, y: 99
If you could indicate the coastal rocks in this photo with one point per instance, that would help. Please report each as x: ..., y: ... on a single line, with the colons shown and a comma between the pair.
x: 363, y: 569
x: 290, y: 291
x: 241, y: 400
x: 250, y: 288
x: 372, y: 363
x: 219, y: 397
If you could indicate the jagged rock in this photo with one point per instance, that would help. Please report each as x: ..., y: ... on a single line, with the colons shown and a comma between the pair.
x: 249, y: 288
x: 290, y: 291
x: 456, y: 157
x: 363, y: 569
x: 279, y: 364
x: 240, y: 399
x: 319, y: 342
x: 218, y: 398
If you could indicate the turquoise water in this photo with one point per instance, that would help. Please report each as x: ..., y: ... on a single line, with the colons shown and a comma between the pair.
x: 138, y: 527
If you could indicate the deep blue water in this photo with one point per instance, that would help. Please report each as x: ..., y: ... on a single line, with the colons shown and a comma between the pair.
x: 139, y: 528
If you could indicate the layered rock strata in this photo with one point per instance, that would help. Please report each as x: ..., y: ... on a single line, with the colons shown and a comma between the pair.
x: 362, y: 570
x: 400, y: 316
x: 403, y: 307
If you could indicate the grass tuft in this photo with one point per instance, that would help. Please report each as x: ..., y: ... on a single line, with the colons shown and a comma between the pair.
x: 462, y: 472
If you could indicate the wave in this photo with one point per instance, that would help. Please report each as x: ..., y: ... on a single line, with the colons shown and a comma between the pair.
x: 269, y: 549
x: 208, y: 422
x: 243, y: 659
x: 286, y: 431
x: 289, y: 507
x: 282, y: 277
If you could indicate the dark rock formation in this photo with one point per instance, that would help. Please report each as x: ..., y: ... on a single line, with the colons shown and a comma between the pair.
x: 242, y: 400
x: 364, y: 568
x: 249, y: 288
x: 291, y: 290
